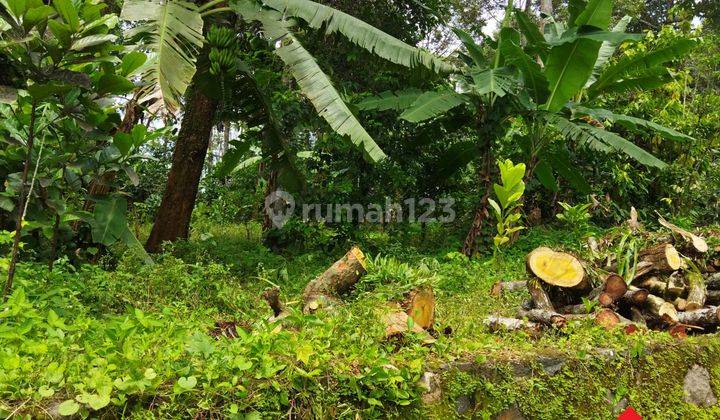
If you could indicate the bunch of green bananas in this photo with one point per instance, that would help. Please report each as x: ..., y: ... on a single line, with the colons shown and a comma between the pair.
x: 223, y: 52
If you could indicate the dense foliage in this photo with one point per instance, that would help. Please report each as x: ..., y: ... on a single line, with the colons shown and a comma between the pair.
x: 143, y: 138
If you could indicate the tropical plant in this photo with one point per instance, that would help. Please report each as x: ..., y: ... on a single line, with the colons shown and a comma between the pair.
x: 552, y: 81
x: 576, y: 217
x: 509, y: 195
x: 172, y: 32
x: 56, y: 128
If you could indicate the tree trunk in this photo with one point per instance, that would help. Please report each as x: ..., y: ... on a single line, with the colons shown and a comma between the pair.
x: 484, y: 175
x: 21, y: 206
x: 172, y: 221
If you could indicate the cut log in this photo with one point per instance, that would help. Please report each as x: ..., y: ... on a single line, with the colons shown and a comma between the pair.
x: 704, y: 318
x: 419, y: 304
x: 696, y: 293
x: 635, y: 296
x: 680, y: 304
x: 497, y: 323
x: 614, y: 289
x: 607, y: 318
x: 642, y: 268
x: 660, y: 288
x: 678, y: 331
x: 662, y: 309
x: 507, y: 286
x: 697, y: 242
x: 399, y: 323
x: 539, y: 296
x: 664, y: 258
x: 556, y: 268
x: 335, y: 281
x: 544, y: 317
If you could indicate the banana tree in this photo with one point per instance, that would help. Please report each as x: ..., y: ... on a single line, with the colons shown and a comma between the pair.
x: 551, y: 80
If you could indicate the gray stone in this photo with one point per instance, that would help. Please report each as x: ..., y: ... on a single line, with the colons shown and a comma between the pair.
x: 697, y: 389
x: 430, y: 382
x: 551, y: 365
x: 512, y: 413
x: 463, y: 404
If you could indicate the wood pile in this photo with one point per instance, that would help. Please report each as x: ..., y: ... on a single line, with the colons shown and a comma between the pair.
x: 672, y: 284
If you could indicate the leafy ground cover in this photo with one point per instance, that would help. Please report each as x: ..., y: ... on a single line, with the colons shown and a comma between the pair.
x: 124, y: 338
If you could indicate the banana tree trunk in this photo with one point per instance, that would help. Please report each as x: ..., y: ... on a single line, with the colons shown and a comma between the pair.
x: 172, y: 221
x: 481, y: 213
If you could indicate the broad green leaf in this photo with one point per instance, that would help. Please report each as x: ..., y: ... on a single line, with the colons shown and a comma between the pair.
x: 187, y: 383
x: 173, y: 32
x: 535, y: 40
x: 568, y: 68
x: 432, y: 104
x: 499, y: 81
x: 231, y: 159
x: 318, y: 88
x: 494, y: 205
x: 642, y: 62
x: 544, y: 174
x: 533, y: 78
x: 109, y: 220
x: 17, y: 7
x: 124, y: 142
x: 473, y: 49
x: 68, y: 408
x: 61, y: 32
x: 42, y: 91
x: 390, y: 100
x: 92, y: 41
x: 359, y: 33
x: 575, y: 8
x: 633, y: 123
x: 607, y: 50
x: 560, y: 161
x: 597, y: 13
x: 69, y: 14
x: 114, y: 84
x: 35, y: 15
x: 131, y: 62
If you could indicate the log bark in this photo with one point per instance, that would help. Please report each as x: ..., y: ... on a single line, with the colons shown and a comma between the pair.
x: 712, y: 281
x: 637, y: 317
x: 544, y: 317
x: 507, y: 286
x: 696, y: 291
x: 539, y: 296
x: 399, y: 323
x: 172, y: 221
x: 335, y: 281
x: 704, y: 318
x: 663, y: 257
x: 635, y: 296
x: 712, y: 297
x: 680, y: 304
x: 613, y: 290
x: 497, y: 323
x: 661, y: 308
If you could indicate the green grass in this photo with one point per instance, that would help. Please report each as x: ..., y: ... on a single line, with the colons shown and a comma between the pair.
x: 134, y: 340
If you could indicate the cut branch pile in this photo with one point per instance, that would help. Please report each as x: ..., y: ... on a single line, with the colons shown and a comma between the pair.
x: 673, y: 285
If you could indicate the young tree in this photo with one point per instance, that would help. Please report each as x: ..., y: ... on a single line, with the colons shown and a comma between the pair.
x: 174, y: 31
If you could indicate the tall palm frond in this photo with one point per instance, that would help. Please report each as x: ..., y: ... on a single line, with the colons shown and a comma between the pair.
x: 171, y: 31
x: 360, y: 33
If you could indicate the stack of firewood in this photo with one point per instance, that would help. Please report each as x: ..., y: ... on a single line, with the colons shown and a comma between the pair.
x: 673, y: 284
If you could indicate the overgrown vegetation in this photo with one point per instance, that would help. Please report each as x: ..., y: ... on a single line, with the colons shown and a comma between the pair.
x: 159, y: 159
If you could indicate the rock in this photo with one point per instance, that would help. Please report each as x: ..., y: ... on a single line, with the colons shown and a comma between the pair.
x: 429, y: 381
x: 512, y: 413
x: 697, y: 389
x: 464, y: 403
x: 551, y: 365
